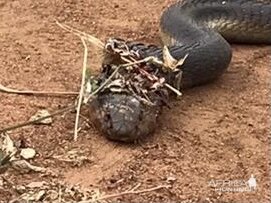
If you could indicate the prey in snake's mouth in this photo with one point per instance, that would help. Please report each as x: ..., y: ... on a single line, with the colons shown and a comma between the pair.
x: 127, y: 107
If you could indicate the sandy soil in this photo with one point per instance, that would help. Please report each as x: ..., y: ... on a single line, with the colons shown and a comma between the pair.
x: 215, y: 132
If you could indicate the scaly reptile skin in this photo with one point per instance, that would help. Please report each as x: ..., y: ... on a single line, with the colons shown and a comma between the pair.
x: 200, y: 28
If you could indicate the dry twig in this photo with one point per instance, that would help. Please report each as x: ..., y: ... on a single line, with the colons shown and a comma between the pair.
x: 81, y: 90
x: 93, y: 40
x: 30, y: 92
x: 69, y: 108
x: 177, y: 92
x: 128, y: 192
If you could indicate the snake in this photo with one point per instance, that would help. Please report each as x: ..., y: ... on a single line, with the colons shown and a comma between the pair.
x: 203, y: 29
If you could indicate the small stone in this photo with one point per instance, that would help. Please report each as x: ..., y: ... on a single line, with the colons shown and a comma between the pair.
x: 20, y: 189
x: 53, y: 195
x: 28, y: 153
x: 171, y: 179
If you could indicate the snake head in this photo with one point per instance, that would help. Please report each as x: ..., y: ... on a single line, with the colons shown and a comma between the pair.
x: 122, y: 117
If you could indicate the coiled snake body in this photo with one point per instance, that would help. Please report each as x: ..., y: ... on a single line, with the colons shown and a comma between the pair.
x: 200, y: 29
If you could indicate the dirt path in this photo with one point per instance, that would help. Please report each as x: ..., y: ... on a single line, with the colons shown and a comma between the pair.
x: 216, y: 132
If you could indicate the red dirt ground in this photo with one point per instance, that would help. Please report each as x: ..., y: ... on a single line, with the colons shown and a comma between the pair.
x: 215, y: 132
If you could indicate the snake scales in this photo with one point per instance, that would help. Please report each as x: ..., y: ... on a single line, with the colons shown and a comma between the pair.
x: 199, y: 28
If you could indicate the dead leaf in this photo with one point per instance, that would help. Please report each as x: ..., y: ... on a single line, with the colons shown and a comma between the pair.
x: 33, y: 196
x: 24, y: 166
x: 36, y: 184
x: 41, y: 114
x: 169, y: 61
x: 8, y: 146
